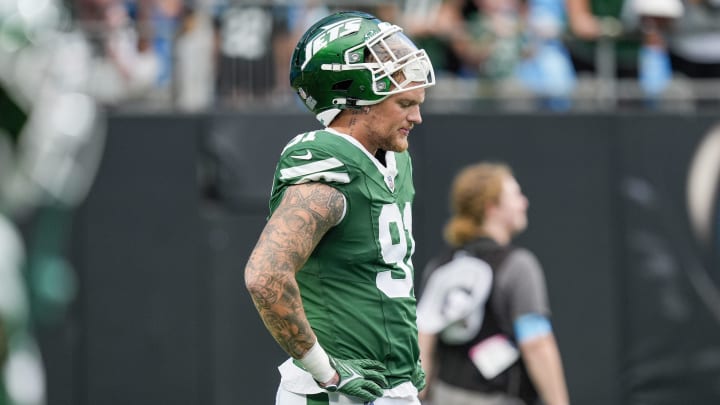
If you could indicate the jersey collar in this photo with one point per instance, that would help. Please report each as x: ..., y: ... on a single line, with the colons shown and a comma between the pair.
x: 388, y: 172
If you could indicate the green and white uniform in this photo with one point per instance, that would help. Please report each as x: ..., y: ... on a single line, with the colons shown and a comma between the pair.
x: 357, y: 286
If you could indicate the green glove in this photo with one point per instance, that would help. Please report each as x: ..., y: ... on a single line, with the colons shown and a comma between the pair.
x: 418, y: 377
x: 359, y: 378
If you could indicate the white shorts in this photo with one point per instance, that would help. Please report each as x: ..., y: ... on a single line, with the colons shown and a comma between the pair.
x: 296, y: 384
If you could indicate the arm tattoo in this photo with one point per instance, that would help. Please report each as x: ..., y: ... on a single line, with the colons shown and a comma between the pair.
x: 303, y: 217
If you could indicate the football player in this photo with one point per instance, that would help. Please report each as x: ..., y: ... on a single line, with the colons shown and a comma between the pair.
x: 51, y: 141
x: 331, y: 274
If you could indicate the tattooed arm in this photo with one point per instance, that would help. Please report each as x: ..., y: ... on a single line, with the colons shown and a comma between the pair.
x: 305, y: 214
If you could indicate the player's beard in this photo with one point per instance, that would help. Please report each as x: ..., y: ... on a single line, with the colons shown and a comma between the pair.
x: 395, y: 142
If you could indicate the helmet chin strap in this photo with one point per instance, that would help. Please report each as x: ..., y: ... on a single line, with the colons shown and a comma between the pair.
x: 327, y: 116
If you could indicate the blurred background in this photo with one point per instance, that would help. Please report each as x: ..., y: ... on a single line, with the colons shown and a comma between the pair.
x: 509, y: 55
x: 138, y: 139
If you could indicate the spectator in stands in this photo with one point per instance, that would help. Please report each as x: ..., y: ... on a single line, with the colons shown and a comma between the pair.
x: 195, y: 56
x: 695, y: 41
x: 642, y: 55
x: 513, y: 47
x: 125, y: 65
x: 433, y: 24
x: 254, y: 47
x: 478, y: 42
x: 655, y: 19
x: 546, y: 67
x: 490, y: 41
x: 161, y: 21
x: 589, y: 20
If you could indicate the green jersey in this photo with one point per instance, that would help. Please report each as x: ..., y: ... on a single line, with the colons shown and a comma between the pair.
x: 357, y: 286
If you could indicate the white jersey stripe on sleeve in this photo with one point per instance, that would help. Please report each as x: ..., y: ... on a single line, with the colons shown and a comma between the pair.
x: 310, y: 168
x: 327, y: 176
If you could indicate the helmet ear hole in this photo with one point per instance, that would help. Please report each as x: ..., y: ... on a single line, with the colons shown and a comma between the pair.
x: 343, y: 85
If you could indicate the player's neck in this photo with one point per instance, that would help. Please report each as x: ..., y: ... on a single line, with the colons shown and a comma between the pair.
x: 355, y: 132
x: 497, y: 232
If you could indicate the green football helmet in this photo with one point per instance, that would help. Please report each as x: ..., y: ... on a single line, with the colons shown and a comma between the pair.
x: 351, y: 59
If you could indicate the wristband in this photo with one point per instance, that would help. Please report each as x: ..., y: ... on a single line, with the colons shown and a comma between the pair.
x: 317, y: 363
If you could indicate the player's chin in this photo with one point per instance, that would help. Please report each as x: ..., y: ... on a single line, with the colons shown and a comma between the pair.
x: 400, y: 146
x: 401, y: 143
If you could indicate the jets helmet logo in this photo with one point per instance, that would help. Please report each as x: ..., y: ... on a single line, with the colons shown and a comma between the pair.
x: 329, y: 34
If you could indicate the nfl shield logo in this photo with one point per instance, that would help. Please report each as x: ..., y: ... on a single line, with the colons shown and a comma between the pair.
x: 390, y: 181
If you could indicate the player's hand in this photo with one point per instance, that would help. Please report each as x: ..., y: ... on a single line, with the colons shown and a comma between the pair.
x: 361, y: 378
x: 418, y: 377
